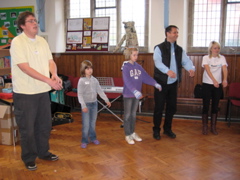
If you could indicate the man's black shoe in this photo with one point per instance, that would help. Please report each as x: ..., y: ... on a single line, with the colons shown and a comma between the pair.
x: 170, y: 134
x: 156, y: 136
x: 31, y: 166
x: 50, y: 157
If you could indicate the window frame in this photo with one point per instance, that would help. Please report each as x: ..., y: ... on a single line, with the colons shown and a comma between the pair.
x: 223, y: 19
x: 119, y: 22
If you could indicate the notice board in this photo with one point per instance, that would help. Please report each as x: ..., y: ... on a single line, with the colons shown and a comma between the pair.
x: 87, y: 34
x: 8, y: 22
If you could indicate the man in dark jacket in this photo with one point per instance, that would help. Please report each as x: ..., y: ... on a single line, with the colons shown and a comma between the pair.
x: 169, y: 58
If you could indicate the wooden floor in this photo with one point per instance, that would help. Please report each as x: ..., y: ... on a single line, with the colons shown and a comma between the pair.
x: 191, y: 156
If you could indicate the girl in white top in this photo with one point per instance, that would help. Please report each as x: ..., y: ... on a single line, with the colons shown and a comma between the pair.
x: 88, y: 88
x: 214, y: 66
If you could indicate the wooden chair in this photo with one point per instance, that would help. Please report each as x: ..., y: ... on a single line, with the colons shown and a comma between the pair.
x: 233, y: 100
x: 71, y: 96
x: 118, y: 81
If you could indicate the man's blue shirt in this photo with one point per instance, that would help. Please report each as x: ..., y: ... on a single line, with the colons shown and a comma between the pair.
x: 186, y: 63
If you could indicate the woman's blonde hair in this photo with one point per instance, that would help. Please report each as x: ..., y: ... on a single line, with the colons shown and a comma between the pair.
x: 127, y: 52
x: 84, y: 65
x: 212, y: 43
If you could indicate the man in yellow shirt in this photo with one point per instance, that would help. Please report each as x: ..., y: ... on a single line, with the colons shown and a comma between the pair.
x: 32, y: 63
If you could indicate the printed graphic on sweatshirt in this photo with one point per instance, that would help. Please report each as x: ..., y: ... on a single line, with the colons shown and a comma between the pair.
x: 135, y: 73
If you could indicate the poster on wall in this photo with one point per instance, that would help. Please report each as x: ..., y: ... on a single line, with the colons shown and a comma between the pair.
x: 74, y: 37
x: 8, y: 23
x: 87, y: 34
x: 75, y: 24
x: 100, y: 23
x: 100, y: 36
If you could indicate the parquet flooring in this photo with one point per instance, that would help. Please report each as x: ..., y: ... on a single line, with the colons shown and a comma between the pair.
x: 191, y: 156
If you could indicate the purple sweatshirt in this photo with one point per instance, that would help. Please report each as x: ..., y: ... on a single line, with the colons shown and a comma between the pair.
x: 133, y: 77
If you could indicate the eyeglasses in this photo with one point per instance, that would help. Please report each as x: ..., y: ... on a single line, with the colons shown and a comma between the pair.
x: 32, y: 21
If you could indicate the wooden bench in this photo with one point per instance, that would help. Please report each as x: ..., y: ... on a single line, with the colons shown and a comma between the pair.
x: 185, y: 106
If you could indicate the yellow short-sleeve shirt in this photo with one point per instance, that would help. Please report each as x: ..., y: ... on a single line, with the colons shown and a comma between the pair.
x: 35, y: 52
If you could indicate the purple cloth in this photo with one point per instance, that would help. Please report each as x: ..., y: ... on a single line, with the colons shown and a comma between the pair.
x: 133, y: 77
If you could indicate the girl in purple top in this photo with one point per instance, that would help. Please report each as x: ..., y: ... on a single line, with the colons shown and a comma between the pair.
x: 133, y: 77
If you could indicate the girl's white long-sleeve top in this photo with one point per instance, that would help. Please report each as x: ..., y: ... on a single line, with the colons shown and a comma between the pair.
x: 87, y: 89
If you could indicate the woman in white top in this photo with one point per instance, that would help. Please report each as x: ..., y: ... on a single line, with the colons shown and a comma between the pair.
x: 214, y: 66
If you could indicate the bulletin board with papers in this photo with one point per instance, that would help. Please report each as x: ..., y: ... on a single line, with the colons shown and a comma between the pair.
x: 8, y: 23
x: 88, y: 34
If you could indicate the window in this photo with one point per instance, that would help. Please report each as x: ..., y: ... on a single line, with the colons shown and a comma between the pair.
x: 134, y: 10
x: 79, y: 9
x: 217, y: 20
x: 104, y: 8
x: 118, y: 11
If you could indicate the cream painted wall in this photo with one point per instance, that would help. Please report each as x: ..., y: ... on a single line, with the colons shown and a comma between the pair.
x: 177, y: 16
x: 14, y: 3
x: 156, y: 23
x: 55, y: 23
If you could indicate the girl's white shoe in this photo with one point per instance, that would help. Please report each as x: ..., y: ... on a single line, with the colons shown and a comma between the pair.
x: 136, y: 137
x: 129, y: 139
